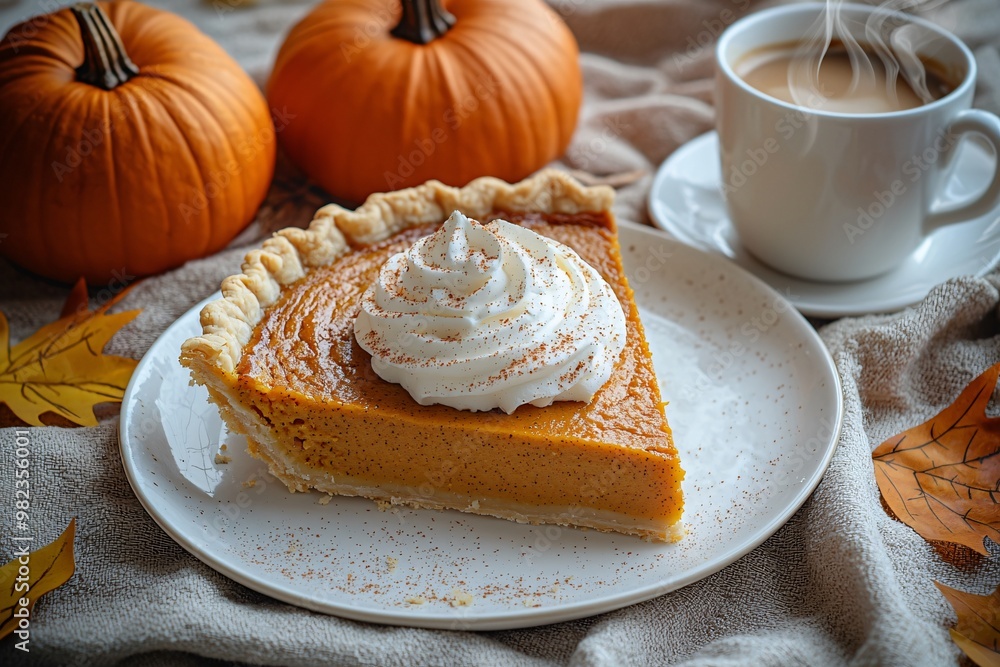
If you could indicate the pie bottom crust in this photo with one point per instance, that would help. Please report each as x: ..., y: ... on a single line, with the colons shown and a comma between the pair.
x: 262, y: 445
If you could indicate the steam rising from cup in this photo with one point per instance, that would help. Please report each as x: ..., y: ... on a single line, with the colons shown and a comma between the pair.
x: 895, y: 44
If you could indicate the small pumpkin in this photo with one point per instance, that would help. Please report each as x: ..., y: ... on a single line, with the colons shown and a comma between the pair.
x: 130, y: 143
x: 384, y: 95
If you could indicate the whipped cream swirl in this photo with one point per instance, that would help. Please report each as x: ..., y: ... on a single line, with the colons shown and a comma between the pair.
x: 489, y: 316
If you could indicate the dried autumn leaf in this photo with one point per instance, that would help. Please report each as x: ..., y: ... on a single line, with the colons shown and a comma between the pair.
x: 47, y: 569
x: 942, y: 478
x: 977, y: 632
x: 78, y: 300
x: 61, y: 369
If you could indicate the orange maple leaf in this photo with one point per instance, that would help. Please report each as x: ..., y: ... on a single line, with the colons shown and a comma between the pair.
x: 942, y: 478
x: 61, y: 367
x: 977, y: 632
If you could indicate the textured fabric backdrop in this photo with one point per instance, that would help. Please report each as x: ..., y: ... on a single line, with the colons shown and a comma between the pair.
x: 840, y: 584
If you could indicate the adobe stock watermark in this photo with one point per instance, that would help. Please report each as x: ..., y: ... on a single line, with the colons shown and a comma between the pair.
x: 413, y: 336
x: 120, y: 280
x: 230, y: 511
x: 451, y: 120
x: 801, y: 456
x: 461, y: 455
x: 464, y: 455
x: 751, y: 331
x: 224, y: 7
x: 29, y: 27
x: 989, y: 244
x: 707, y: 36
x: 746, y: 166
x: 23, y: 538
x: 364, y: 36
x: 565, y: 8
x: 656, y: 259
x: 583, y: 154
x: 911, y: 171
x: 219, y: 179
x: 594, y: 487
x: 92, y: 138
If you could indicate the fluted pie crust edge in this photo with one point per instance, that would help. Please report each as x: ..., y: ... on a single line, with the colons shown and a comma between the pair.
x: 227, y: 323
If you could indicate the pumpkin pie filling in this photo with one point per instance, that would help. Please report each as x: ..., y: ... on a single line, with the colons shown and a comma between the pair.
x: 305, y: 395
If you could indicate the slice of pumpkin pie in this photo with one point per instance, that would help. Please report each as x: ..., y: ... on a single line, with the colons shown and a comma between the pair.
x: 471, y: 348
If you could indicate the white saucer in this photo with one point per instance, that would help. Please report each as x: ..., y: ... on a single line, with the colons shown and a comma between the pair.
x: 686, y: 201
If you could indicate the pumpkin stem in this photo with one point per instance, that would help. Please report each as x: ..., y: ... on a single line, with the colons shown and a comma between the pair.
x: 105, y: 63
x: 423, y: 21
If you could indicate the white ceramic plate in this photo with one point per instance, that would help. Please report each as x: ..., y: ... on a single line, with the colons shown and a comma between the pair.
x: 686, y: 201
x: 754, y: 401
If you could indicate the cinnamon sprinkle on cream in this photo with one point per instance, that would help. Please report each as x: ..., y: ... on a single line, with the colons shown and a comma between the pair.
x: 479, y: 317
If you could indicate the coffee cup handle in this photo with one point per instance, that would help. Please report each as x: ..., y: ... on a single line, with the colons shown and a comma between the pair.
x: 986, y: 125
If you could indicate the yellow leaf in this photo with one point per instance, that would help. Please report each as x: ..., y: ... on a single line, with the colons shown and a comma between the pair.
x: 61, y: 368
x: 47, y: 569
x: 977, y: 632
x: 942, y: 478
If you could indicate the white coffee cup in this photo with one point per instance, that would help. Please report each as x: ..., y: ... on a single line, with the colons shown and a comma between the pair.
x: 832, y: 196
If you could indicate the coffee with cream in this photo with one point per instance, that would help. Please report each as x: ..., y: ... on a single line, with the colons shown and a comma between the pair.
x: 833, y: 83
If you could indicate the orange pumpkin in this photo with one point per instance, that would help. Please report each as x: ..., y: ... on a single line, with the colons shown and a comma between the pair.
x: 129, y: 143
x: 382, y: 95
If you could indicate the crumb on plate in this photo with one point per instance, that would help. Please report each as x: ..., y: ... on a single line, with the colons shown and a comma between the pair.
x: 460, y: 598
